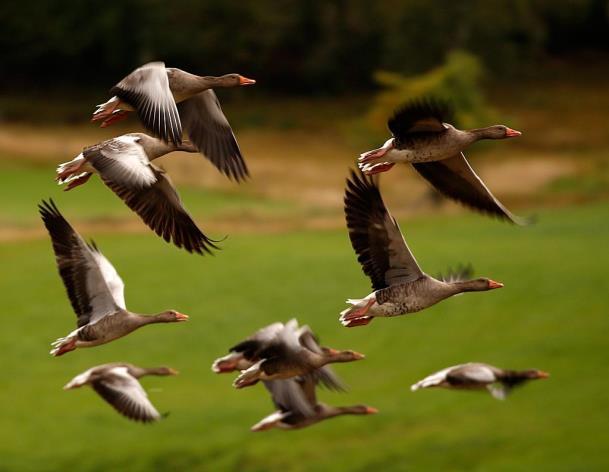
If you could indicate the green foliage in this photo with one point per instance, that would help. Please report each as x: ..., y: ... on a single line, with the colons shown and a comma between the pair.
x: 457, y: 81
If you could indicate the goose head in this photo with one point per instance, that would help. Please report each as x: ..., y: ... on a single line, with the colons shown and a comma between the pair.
x: 171, y: 316
x: 496, y: 132
x: 234, y: 80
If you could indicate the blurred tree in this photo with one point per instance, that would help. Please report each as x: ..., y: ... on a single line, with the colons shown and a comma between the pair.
x: 298, y: 46
x: 457, y: 82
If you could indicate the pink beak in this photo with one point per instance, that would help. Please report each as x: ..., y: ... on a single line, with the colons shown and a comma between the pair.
x: 493, y: 284
x: 512, y: 133
x: 246, y: 81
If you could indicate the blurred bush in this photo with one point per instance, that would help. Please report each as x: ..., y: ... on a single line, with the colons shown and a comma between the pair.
x: 457, y: 82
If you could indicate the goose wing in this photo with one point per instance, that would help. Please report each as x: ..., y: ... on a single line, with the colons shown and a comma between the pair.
x: 94, y: 287
x: 419, y: 117
x: 126, y: 395
x: 147, y: 90
x: 471, y: 374
x: 148, y: 191
x: 455, y: 178
x: 289, y: 396
x: 325, y: 374
x: 210, y: 132
x: 376, y: 237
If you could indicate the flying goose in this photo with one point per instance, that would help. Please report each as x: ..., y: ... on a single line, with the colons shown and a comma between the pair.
x: 477, y: 376
x: 168, y: 99
x: 291, y: 352
x: 117, y: 383
x: 400, y: 286
x: 94, y: 288
x: 297, y: 405
x: 423, y: 138
x: 124, y: 165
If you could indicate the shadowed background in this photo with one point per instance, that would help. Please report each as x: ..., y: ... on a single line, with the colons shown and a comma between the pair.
x: 329, y: 74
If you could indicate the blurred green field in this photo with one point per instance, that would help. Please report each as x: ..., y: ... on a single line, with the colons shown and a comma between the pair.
x: 551, y: 315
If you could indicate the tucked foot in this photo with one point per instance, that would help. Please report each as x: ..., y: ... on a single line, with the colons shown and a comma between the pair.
x: 64, y: 347
x: 105, y: 110
x: 376, y: 154
x: 358, y: 311
x: 224, y: 366
x: 117, y: 115
x: 371, y: 169
x: 78, y: 181
x: 364, y: 320
x: 68, y: 169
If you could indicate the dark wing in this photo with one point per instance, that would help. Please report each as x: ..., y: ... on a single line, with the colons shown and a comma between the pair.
x: 210, y: 132
x: 376, y: 237
x: 94, y: 287
x: 459, y: 274
x: 160, y: 207
x: 325, y: 374
x: 423, y: 116
x: 455, y: 178
x: 289, y: 396
x: 126, y: 395
x: 256, y: 342
x: 147, y: 90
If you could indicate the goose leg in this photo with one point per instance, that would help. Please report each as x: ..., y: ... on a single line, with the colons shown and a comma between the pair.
x: 78, y: 181
x: 117, y: 115
x: 371, y: 169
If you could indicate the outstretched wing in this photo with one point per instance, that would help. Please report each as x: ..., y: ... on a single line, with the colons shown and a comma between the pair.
x: 94, y: 287
x: 420, y: 116
x: 210, y: 132
x: 126, y: 395
x: 161, y: 208
x: 375, y: 235
x: 288, y: 395
x: 455, y: 178
x: 325, y: 374
x: 147, y: 90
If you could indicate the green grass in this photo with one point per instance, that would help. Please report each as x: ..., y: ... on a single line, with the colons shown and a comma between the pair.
x: 552, y: 315
x: 25, y: 185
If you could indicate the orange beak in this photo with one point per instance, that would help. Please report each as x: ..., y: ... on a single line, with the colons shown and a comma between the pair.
x: 370, y: 410
x: 181, y: 317
x: 246, y: 81
x: 512, y: 133
x: 542, y: 375
x: 173, y: 371
x: 359, y: 356
x: 493, y: 284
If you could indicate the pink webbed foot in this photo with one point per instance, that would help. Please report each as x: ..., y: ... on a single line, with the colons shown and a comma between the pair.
x: 358, y: 322
x: 117, y: 115
x: 358, y: 312
x: 77, y: 182
x: 67, y: 347
x: 376, y: 154
x: 105, y: 110
x: 376, y: 168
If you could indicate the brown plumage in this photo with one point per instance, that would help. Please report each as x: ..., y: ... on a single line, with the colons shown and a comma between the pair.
x: 290, y: 351
x: 400, y: 286
x: 298, y: 407
x: 423, y: 137
x: 124, y: 164
x: 117, y: 383
x: 169, y: 99
x: 94, y: 288
x: 477, y: 376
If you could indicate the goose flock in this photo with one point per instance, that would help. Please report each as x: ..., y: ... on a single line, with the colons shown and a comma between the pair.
x: 286, y: 357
